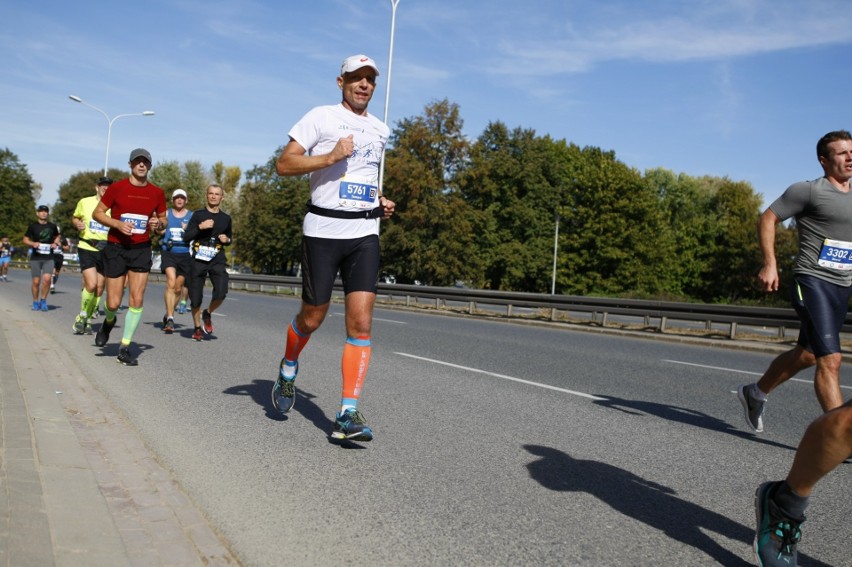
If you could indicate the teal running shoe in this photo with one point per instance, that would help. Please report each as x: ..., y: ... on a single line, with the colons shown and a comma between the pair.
x: 352, y: 426
x: 777, y: 536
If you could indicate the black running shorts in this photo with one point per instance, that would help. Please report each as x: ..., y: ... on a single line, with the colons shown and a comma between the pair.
x: 182, y: 263
x: 91, y: 259
x: 119, y: 260
x: 356, y: 259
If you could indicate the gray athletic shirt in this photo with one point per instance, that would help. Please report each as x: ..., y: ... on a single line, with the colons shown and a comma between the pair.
x: 822, y: 211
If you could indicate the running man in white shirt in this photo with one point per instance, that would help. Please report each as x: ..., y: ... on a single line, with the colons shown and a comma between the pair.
x: 341, y: 147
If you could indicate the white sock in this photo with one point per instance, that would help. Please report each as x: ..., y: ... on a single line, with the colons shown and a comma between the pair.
x: 757, y: 393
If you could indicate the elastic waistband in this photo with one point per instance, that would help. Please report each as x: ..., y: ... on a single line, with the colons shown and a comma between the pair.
x: 375, y: 213
x: 130, y: 246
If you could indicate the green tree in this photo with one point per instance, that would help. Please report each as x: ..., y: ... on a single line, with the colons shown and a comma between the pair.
x: 687, y: 205
x: 737, y: 259
x: 511, y: 180
x: 79, y: 185
x: 616, y: 240
x: 431, y: 237
x: 268, y: 222
x: 227, y: 177
x: 167, y: 175
x: 189, y: 176
x: 17, y: 199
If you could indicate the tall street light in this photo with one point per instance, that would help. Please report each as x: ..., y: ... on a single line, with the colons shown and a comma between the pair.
x: 110, y: 122
x: 394, y: 4
x: 555, y: 252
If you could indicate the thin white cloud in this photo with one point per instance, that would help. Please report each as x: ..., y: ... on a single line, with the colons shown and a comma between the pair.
x: 707, y: 32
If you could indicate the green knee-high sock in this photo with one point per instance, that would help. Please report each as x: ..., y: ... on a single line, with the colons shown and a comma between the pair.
x: 134, y: 315
x: 109, y: 314
x: 92, y: 306
x: 85, y: 300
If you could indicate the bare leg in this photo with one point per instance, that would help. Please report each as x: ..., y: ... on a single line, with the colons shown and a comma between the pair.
x: 827, y: 382
x: 826, y: 443
x: 785, y: 366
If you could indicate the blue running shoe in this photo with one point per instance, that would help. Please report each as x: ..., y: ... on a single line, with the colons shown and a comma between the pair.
x: 352, y: 426
x: 777, y: 536
x: 284, y: 391
x: 43, y: 305
x: 36, y: 305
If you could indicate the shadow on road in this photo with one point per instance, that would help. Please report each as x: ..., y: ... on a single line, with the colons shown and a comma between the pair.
x: 653, y: 504
x: 683, y: 415
x: 261, y: 392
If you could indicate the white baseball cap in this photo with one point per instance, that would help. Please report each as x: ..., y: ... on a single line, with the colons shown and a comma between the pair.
x: 178, y: 193
x: 355, y: 62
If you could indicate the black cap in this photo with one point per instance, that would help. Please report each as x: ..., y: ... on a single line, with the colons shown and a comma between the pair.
x: 104, y: 181
x: 43, y: 208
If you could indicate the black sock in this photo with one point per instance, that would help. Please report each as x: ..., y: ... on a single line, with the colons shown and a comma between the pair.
x: 791, y: 504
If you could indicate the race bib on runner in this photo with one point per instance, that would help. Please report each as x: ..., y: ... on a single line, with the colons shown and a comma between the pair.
x: 140, y: 222
x: 357, y: 193
x: 836, y: 255
x: 44, y: 249
x: 176, y: 234
x: 97, y: 228
x: 205, y: 253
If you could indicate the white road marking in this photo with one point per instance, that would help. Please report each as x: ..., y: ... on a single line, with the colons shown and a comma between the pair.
x: 390, y: 321
x: 343, y: 314
x: 546, y: 386
x: 742, y: 371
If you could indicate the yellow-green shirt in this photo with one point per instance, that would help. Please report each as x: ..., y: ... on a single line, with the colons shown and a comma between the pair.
x: 94, y: 230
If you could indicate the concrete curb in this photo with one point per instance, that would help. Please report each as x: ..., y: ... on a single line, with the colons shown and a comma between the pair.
x: 78, y: 486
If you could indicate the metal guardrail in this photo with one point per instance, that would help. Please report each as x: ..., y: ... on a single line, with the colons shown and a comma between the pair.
x: 659, y: 314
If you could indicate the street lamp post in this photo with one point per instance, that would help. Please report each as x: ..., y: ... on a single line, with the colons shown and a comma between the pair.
x: 394, y: 4
x: 110, y: 122
x: 555, y: 251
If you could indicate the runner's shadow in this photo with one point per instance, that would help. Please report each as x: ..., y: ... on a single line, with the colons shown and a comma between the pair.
x: 682, y: 415
x: 110, y: 350
x: 643, y: 500
x: 260, y: 391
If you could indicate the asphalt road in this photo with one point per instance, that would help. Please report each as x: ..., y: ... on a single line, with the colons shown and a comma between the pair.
x: 496, y: 443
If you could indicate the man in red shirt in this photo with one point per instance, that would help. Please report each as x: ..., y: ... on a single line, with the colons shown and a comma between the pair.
x: 135, y: 207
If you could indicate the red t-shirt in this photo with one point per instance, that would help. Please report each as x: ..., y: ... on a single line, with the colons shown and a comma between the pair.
x: 138, y: 204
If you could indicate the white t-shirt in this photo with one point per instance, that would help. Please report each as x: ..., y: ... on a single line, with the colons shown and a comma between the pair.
x: 351, y: 184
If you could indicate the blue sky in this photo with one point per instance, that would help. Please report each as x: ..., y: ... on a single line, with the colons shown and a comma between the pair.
x: 737, y: 88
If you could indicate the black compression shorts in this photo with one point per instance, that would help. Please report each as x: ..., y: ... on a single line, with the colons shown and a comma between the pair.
x: 821, y: 307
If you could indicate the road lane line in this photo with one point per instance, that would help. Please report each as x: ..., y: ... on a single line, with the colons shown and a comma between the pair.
x: 742, y: 371
x: 504, y: 377
x: 390, y: 321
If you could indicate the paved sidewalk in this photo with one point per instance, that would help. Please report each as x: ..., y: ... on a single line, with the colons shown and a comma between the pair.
x: 77, y: 485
